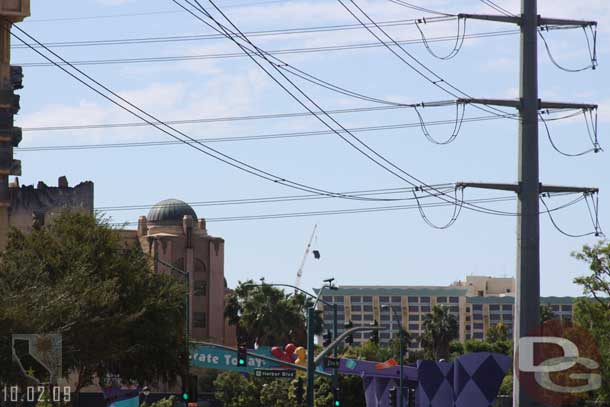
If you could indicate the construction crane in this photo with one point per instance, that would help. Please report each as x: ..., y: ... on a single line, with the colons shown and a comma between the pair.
x: 307, y: 250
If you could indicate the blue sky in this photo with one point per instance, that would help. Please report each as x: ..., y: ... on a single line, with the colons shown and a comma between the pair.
x: 394, y: 247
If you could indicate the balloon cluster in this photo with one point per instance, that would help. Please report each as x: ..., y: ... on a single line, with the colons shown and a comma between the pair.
x: 291, y: 354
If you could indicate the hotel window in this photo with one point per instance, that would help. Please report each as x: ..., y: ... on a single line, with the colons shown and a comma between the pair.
x: 441, y: 299
x: 454, y: 300
x: 477, y: 317
x: 566, y: 308
x: 507, y: 307
x: 555, y: 307
x: 413, y: 327
x: 425, y: 308
x: 396, y: 299
x: 384, y: 300
x: 367, y: 299
x: 355, y: 299
x: 467, y: 319
x: 327, y: 299
x: 477, y: 307
x: 368, y: 317
x: 199, y: 320
x: 478, y: 335
x: 413, y: 299
x: 508, y: 317
x: 477, y: 326
x: 494, y: 307
x: 494, y: 317
x: 356, y: 308
x: 367, y: 308
x: 413, y: 308
x: 425, y: 300
x: 356, y: 317
x: 385, y: 335
x: 413, y: 317
x: 339, y: 299
x: 385, y: 317
x: 454, y: 309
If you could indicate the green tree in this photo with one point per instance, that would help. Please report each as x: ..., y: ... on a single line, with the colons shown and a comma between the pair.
x: 497, y: 333
x: 440, y: 328
x: 76, y: 277
x: 275, y: 394
x: 234, y: 390
x: 269, y: 316
x: 593, y: 312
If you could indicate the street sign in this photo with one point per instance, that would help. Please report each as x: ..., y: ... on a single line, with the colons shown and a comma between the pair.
x: 332, y: 363
x: 275, y: 373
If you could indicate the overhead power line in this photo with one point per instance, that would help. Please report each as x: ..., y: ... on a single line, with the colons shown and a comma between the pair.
x: 283, y: 51
x: 359, y: 145
x: 385, y: 208
x: 270, y: 136
x: 200, y: 37
x: 126, y: 105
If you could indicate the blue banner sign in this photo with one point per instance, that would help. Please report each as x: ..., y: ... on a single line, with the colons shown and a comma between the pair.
x: 209, y: 357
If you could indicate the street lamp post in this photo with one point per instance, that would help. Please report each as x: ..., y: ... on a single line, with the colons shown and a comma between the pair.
x: 401, y: 338
x: 188, y: 316
x: 311, y: 332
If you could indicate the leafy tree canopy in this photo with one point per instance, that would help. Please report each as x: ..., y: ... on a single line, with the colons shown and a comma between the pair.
x: 76, y: 277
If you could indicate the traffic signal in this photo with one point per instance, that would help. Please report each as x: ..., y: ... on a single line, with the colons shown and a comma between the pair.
x: 392, y: 397
x: 350, y: 338
x: 242, y: 356
x: 375, y: 334
x: 189, y: 390
x: 327, y: 338
x: 410, y: 396
x: 337, y: 397
x: 299, y: 391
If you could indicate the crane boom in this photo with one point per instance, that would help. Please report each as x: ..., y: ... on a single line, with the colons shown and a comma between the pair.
x: 307, y: 250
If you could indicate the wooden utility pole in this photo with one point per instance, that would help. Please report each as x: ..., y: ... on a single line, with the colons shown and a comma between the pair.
x: 11, y: 11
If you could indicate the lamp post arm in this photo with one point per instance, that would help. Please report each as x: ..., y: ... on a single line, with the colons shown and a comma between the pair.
x: 289, y: 286
x: 341, y: 337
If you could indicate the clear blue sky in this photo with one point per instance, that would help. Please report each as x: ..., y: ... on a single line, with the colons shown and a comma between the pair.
x: 369, y: 248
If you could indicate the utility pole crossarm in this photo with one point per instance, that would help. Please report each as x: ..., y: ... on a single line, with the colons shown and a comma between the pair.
x: 560, y: 189
x: 491, y: 17
x: 561, y: 105
x: 481, y: 185
x: 565, y: 22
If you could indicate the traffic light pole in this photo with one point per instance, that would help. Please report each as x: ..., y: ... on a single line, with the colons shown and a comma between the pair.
x: 401, y: 362
x: 335, y: 333
x: 310, y: 356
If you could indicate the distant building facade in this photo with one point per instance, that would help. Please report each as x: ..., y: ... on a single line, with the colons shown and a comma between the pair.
x: 172, y: 235
x: 30, y: 205
x: 477, y: 303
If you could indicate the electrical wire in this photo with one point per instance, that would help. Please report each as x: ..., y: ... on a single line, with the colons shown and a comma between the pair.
x: 592, y: 51
x: 498, y: 8
x: 459, y: 120
x: 258, y: 137
x: 377, y: 158
x: 595, y: 149
x: 261, y: 33
x: 151, y: 120
x: 423, y: 70
x: 563, y: 232
x: 459, y: 40
x: 418, y: 8
x: 284, y: 51
x: 457, y: 209
x: 291, y: 215
x: 279, y: 199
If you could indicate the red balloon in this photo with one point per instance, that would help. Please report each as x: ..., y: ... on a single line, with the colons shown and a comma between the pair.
x: 277, y: 352
x: 290, y: 348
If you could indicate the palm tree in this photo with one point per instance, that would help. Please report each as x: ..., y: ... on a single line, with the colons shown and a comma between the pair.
x: 440, y: 328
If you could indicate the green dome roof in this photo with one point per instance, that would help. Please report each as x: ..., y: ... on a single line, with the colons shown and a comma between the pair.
x: 170, y: 211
